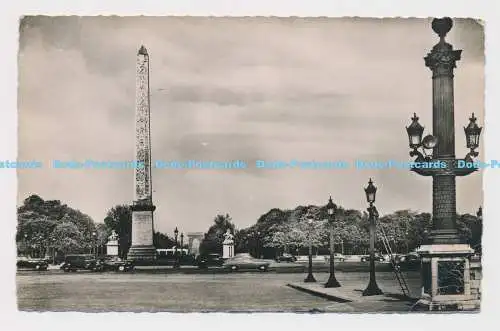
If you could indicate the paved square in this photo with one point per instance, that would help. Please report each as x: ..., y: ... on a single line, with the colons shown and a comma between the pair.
x: 252, y: 292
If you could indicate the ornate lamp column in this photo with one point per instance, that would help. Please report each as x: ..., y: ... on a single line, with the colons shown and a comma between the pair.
x: 26, y: 245
x: 53, y: 250
x: 94, y: 243
x: 176, y: 233
x: 446, y: 252
x: 442, y: 60
x: 310, y: 277
x: 372, y: 288
x: 259, y: 250
x: 182, y: 249
x: 182, y: 243
x: 331, y: 209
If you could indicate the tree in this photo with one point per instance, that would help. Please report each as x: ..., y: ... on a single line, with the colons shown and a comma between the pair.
x: 470, y: 229
x: 421, y: 226
x: 103, y: 233
x: 296, y: 231
x: 241, y: 241
x: 212, y: 243
x: 38, y: 219
x: 119, y: 219
x: 67, y: 238
x: 161, y: 240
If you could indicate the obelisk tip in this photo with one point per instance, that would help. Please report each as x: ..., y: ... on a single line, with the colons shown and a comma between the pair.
x: 142, y: 51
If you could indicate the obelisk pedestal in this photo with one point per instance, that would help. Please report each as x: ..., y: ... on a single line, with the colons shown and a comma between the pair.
x: 142, y: 249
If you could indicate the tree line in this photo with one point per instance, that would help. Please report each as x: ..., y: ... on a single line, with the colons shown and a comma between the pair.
x: 51, y: 228
x: 279, y: 231
x: 47, y: 227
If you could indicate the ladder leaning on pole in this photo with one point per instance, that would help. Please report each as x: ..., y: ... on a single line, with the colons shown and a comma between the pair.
x: 395, y: 267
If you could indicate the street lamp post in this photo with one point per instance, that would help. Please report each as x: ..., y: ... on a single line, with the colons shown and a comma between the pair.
x: 310, y: 278
x: 26, y: 245
x: 331, y: 209
x: 38, y: 242
x: 445, y: 248
x: 259, y: 249
x: 53, y: 250
x: 94, y: 243
x: 176, y: 233
x: 370, y: 192
x: 442, y: 60
x: 182, y: 249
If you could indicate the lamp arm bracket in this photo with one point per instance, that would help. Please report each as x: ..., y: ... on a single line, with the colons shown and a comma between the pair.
x: 420, y: 156
x: 472, y: 154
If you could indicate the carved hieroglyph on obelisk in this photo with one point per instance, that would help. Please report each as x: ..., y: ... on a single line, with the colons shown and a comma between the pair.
x: 142, y: 208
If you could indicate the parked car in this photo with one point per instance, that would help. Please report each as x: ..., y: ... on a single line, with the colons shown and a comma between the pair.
x: 81, y: 262
x: 378, y: 257
x: 337, y: 257
x: 244, y: 261
x: 114, y: 263
x: 209, y: 260
x: 286, y: 258
x: 408, y: 261
x: 32, y: 263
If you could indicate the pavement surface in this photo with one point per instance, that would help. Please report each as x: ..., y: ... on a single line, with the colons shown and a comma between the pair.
x: 235, y: 292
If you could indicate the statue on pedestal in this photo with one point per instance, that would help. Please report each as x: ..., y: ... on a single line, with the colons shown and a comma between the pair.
x: 113, y: 236
x: 228, y: 245
x: 228, y: 238
x: 112, y: 245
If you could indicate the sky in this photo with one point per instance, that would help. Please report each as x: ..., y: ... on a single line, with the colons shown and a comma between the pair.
x: 226, y: 89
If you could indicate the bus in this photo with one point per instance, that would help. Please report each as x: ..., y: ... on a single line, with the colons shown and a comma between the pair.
x: 166, y: 256
x: 170, y: 252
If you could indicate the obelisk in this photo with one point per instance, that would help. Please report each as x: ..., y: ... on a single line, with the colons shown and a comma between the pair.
x: 142, y: 248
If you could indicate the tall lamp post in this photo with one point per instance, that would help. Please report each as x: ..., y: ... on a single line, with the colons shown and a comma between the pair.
x: 445, y: 248
x: 442, y: 60
x: 370, y: 192
x: 182, y: 248
x: 94, y: 243
x: 259, y: 249
x: 176, y: 233
x: 53, y: 250
x: 332, y: 209
x: 310, y: 278
x: 26, y: 245
x: 40, y: 245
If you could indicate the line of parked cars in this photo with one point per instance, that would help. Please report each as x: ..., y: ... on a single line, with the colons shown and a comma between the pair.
x: 410, y: 261
x: 24, y: 262
x: 378, y: 257
x: 73, y: 263
x: 243, y: 261
x: 76, y: 262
